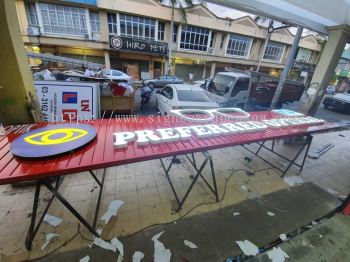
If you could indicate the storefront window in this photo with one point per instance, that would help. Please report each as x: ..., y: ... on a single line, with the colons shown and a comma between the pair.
x: 194, y: 38
x: 161, y: 26
x: 136, y: 26
x: 274, y: 51
x: 112, y: 24
x: 32, y: 16
x: 238, y: 45
x: 303, y: 55
x: 95, y: 22
x: 64, y: 20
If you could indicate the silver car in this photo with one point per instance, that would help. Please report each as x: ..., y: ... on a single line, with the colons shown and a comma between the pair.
x: 162, y: 81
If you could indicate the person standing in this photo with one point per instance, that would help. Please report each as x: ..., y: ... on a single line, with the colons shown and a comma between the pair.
x: 190, y: 77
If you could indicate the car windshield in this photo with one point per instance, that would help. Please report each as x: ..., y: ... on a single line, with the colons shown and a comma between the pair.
x: 221, y: 84
x: 192, y: 96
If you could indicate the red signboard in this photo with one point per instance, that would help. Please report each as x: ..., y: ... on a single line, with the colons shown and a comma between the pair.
x: 102, y: 152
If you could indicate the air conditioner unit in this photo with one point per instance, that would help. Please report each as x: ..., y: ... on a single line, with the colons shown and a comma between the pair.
x: 210, y: 50
x: 33, y: 31
x: 96, y: 36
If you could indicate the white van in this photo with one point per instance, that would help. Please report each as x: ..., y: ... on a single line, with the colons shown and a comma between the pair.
x: 229, y: 89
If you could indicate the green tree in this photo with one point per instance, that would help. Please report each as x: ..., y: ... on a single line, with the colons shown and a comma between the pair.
x: 182, y: 6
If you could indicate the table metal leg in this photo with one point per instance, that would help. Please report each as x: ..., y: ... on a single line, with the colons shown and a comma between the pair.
x: 33, y: 228
x: 166, y: 170
x: 99, y: 196
x: 291, y: 162
x: 70, y: 207
x: 195, y: 178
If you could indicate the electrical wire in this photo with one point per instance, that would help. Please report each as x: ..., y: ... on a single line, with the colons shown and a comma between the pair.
x: 260, y: 200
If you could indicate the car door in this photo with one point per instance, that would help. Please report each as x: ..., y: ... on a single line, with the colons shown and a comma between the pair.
x: 161, y: 82
x: 168, y: 99
x: 239, y: 93
x: 161, y: 100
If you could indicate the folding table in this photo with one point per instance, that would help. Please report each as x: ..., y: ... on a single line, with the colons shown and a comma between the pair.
x: 101, y: 153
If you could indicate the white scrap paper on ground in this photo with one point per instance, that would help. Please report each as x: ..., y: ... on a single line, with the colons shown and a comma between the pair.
x: 161, y: 254
x: 293, y: 180
x: 49, y: 237
x: 283, y: 237
x: 332, y: 191
x: 248, y: 248
x: 119, y: 245
x: 85, y: 259
x: 137, y: 256
x: 277, y: 255
x: 112, y: 210
x: 52, y: 220
x: 270, y: 214
x: 190, y: 244
x: 104, y: 244
x: 244, y: 188
x: 236, y: 214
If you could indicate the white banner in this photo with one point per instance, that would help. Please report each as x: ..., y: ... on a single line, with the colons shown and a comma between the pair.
x: 63, y: 101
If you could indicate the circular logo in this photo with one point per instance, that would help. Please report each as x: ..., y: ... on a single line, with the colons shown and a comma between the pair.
x: 116, y: 42
x: 52, y: 140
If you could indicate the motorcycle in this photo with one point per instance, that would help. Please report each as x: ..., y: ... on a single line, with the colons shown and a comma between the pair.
x: 146, y: 93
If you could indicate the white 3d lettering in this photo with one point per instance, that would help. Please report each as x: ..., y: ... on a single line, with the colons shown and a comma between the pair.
x: 144, y: 137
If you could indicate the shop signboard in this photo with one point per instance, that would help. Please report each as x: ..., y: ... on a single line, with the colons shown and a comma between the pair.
x: 302, y: 66
x: 63, y: 101
x: 137, y: 45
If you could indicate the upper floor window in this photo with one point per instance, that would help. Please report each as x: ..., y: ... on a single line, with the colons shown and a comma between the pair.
x: 238, y: 45
x: 32, y: 15
x: 161, y: 26
x: 175, y: 28
x: 274, y: 51
x: 194, y: 38
x: 95, y: 22
x: 112, y: 24
x: 303, y: 55
x: 136, y: 26
x: 64, y: 20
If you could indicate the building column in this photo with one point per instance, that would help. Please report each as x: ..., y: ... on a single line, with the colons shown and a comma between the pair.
x: 18, y: 101
x: 212, y: 69
x: 338, y: 36
x: 103, y: 27
x: 204, y: 71
x: 107, y: 60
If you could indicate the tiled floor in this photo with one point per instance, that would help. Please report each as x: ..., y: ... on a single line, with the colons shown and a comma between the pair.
x: 148, y: 197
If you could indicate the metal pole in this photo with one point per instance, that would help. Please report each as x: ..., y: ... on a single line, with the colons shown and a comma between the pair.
x: 287, y: 67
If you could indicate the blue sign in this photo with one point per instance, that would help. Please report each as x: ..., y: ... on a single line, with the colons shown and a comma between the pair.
x: 69, y: 97
x: 86, y: 2
x: 52, y: 140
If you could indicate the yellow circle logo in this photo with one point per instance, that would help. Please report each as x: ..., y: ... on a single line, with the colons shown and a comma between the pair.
x: 55, y: 136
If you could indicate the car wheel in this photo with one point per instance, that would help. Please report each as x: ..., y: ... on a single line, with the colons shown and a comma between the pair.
x: 326, y: 106
x: 151, y: 85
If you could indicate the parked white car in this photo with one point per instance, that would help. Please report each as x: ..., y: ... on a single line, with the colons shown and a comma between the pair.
x: 116, y: 75
x: 182, y: 96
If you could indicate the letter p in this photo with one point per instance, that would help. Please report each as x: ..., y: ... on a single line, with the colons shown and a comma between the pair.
x: 121, y: 139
